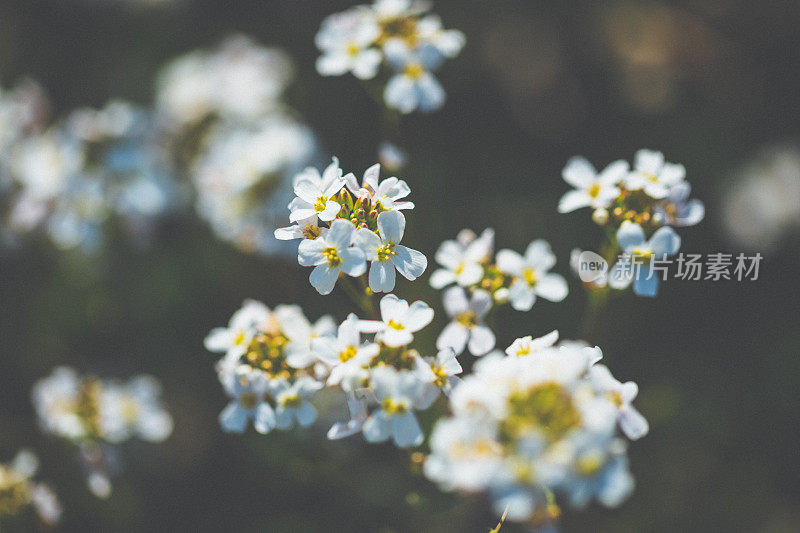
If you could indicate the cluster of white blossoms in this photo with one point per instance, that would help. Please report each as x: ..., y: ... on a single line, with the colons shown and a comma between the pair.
x: 69, y: 177
x: 345, y: 225
x: 638, y: 207
x: 218, y: 133
x: 94, y: 413
x: 19, y: 493
x: 275, y: 360
x: 482, y: 281
x: 399, y: 35
x: 536, y: 425
x: 238, y: 142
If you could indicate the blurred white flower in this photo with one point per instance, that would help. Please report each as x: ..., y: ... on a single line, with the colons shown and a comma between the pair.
x: 466, y: 329
x: 653, y: 174
x: 531, y: 275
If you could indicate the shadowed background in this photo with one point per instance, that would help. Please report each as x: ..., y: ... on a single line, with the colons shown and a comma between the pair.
x: 717, y: 364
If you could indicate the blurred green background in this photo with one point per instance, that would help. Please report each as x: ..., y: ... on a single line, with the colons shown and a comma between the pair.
x: 707, y: 82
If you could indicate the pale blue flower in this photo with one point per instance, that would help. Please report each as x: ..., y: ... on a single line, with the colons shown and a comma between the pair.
x: 413, y: 86
x: 678, y: 210
x: 396, y: 392
x: 248, y: 390
x: 291, y: 401
x: 637, y: 263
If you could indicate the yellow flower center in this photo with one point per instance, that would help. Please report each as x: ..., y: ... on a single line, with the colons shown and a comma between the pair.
x: 332, y: 256
x: 311, y: 232
x: 414, y: 70
x: 529, y: 275
x: 589, y: 464
x: 320, y: 204
x: 594, y: 190
x: 547, y: 408
x: 616, y: 398
x: 402, y: 27
x: 468, y: 319
x: 643, y: 253
x: 395, y: 325
x: 347, y: 354
x: 291, y: 401
x: 353, y: 49
x: 248, y: 400
x: 441, y: 376
x: 525, y: 350
x: 391, y: 407
x: 239, y: 339
x: 650, y: 177
x: 385, y: 252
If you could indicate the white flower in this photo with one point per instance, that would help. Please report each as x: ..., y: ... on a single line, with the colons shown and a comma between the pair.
x: 463, y: 259
x: 134, y: 409
x: 396, y: 391
x: 301, y: 333
x: 244, y: 324
x: 344, y: 40
x: 532, y: 277
x: 447, y: 42
x: 639, y: 252
x: 249, y: 389
x: 467, y: 327
x: 652, y: 174
x: 345, y: 354
x: 413, y: 87
x: 398, y: 321
x: 55, y: 398
x: 386, y: 194
x: 386, y: 254
x: 314, y: 194
x: 632, y: 423
x: 439, y: 371
x: 528, y: 345
x: 592, y: 189
x: 331, y: 254
x: 678, y: 210
x: 291, y: 401
x: 302, y: 229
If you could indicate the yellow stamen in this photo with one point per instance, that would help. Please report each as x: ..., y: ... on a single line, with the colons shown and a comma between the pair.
x: 385, y: 252
x: 332, y: 256
x: 347, y: 354
x: 529, y: 275
x: 395, y: 325
x: 468, y: 319
x: 414, y: 70
x: 391, y: 407
x: 311, y: 232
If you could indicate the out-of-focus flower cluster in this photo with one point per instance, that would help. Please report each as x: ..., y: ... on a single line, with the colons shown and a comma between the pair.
x: 535, y: 425
x: 234, y: 136
x: 638, y: 208
x: 345, y: 225
x: 761, y: 207
x: 397, y: 34
x: 18, y: 491
x: 96, y: 414
x: 70, y: 177
x: 219, y: 122
x: 482, y: 282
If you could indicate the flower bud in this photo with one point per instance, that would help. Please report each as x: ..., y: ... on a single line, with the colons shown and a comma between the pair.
x: 600, y: 216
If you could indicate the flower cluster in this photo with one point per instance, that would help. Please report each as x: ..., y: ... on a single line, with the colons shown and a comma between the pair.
x: 395, y: 33
x: 235, y: 138
x: 481, y: 282
x: 275, y: 360
x: 638, y: 207
x: 18, y: 491
x: 268, y: 368
x: 536, y: 423
x: 96, y: 414
x: 344, y: 225
x: 70, y: 177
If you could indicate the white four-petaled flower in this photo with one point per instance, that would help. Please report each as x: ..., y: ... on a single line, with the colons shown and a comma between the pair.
x: 314, y: 194
x: 462, y: 259
x: 399, y: 321
x: 654, y: 175
x: 331, y: 254
x: 396, y: 392
x: 386, y: 254
x: 466, y: 328
x: 532, y: 277
x: 592, y: 189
